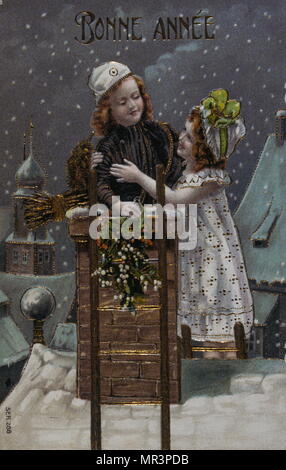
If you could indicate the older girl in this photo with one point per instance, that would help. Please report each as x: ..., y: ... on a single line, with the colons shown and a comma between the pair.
x: 123, y: 120
x: 213, y: 287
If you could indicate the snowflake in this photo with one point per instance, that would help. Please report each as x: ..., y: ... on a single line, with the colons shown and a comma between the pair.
x: 13, y: 119
x: 43, y: 15
x: 227, y: 36
x: 118, y: 53
x: 28, y: 26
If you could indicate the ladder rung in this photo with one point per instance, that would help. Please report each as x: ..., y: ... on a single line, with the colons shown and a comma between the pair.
x: 215, y: 349
x: 129, y: 352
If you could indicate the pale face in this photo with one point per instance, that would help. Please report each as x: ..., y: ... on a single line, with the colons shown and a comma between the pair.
x: 126, y: 103
x: 185, y: 142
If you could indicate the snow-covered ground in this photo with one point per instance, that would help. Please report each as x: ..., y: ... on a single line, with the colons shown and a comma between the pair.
x: 45, y: 414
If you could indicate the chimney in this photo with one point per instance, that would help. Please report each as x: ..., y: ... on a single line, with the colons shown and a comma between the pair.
x: 280, y: 127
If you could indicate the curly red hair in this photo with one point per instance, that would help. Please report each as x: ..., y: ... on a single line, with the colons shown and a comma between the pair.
x: 204, y: 157
x: 102, y: 121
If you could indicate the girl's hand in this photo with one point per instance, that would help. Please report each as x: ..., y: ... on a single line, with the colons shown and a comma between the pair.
x: 96, y: 158
x: 128, y: 173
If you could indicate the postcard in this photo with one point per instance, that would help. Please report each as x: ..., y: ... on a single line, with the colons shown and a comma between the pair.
x: 142, y: 265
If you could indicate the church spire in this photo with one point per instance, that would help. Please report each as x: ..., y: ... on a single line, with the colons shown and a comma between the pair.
x: 24, y: 147
x: 31, y: 137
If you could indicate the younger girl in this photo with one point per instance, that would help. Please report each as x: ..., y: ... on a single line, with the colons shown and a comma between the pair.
x: 213, y: 287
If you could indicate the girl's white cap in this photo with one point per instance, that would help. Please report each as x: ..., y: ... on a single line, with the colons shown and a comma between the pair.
x: 105, y: 76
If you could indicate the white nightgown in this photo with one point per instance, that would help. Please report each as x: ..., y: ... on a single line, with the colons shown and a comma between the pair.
x: 214, y: 292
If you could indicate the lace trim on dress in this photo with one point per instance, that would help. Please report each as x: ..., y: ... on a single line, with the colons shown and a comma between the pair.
x: 208, y: 175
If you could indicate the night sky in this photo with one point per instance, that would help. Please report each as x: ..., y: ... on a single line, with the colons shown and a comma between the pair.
x: 44, y: 73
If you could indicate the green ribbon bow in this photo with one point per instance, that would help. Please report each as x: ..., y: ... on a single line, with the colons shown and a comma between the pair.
x: 220, y: 113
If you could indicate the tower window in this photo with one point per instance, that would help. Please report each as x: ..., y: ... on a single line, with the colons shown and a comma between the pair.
x: 40, y: 257
x: 25, y: 255
x: 15, y: 256
x: 47, y: 256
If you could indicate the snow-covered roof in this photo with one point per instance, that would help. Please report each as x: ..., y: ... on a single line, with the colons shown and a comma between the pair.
x: 13, y: 346
x: 30, y: 173
x: 261, y: 217
x: 3, y: 298
x: 65, y: 337
x: 264, y: 303
x: 61, y: 285
x: 32, y: 237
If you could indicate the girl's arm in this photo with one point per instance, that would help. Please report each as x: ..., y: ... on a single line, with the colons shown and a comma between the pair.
x: 131, y: 174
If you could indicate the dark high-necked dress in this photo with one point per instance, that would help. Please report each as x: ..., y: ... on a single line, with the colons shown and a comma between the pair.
x: 146, y: 144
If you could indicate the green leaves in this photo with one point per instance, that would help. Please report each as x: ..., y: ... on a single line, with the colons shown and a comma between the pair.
x: 219, y: 110
x: 232, y: 109
x: 220, y: 97
x: 220, y: 113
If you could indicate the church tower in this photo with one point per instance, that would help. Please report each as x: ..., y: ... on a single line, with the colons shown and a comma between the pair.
x: 28, y: 251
